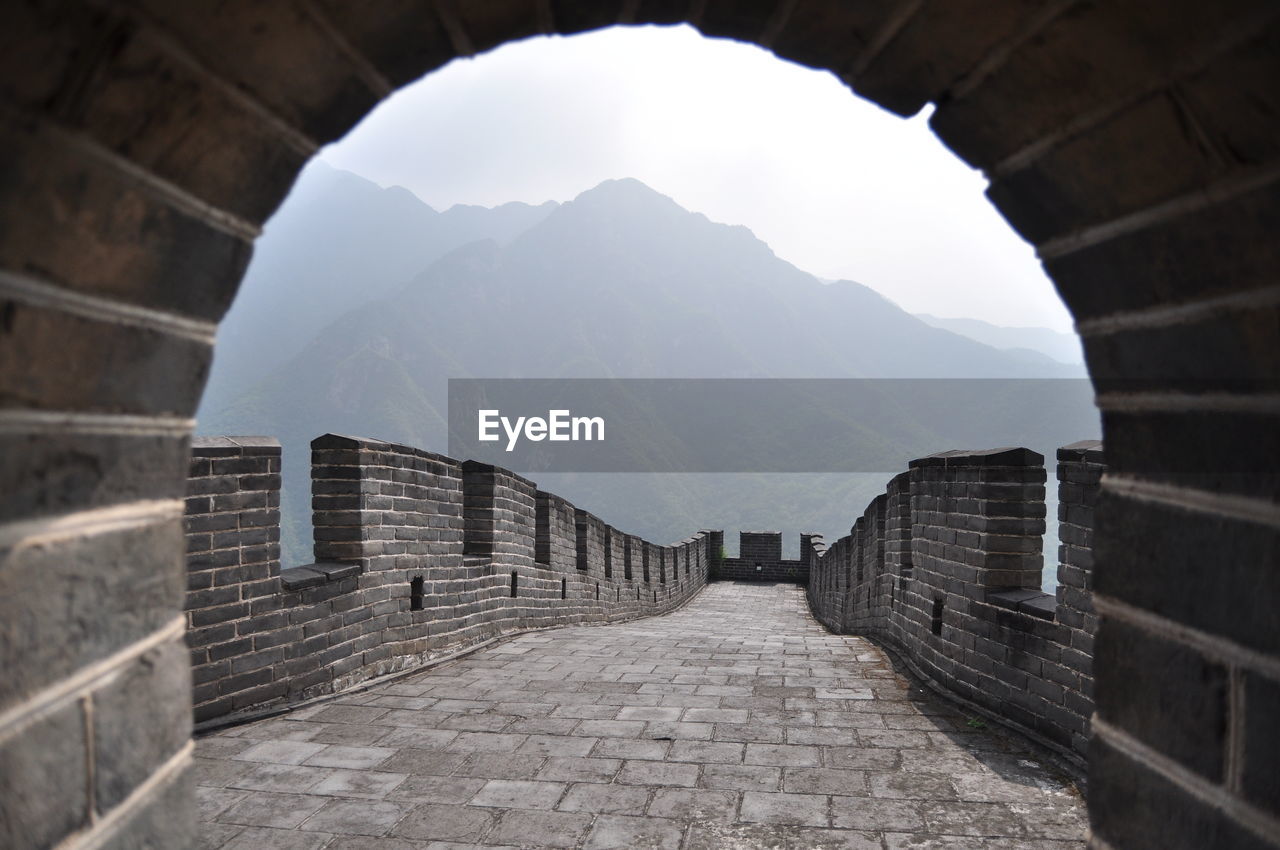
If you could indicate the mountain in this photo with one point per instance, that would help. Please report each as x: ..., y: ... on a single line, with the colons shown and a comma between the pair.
x: 619, y: 282
x: 337, y: 242
x: 1029, y: 343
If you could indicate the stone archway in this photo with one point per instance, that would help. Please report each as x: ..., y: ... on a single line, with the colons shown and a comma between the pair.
x: 1134, y: 143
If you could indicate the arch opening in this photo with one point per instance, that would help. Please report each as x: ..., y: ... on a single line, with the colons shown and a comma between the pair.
x: 237, y: 401
x: 1146, y: 181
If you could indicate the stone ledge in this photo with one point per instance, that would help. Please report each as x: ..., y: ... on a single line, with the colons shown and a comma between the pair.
x: 343, y: 441
x: 478, y: 473
x: 210, y: 447
x: 1084, y: 451
x: 1005, y: 456
x: 1044, y: 606
x: 1026, y: 601
x: 314, y: 575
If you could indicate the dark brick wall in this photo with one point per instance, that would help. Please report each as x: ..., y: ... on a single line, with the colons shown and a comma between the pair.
x: 385, y: 516
x: 233, y: 571
x: 1080, y: 469
x: 945, y: 566
x: 760, y: 559
x: 556, y: 544
x: 759, y: 546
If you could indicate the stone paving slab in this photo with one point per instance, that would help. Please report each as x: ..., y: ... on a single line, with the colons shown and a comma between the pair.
x: 736, y: 722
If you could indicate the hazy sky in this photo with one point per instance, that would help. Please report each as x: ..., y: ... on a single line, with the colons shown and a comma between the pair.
x: 835, y: 185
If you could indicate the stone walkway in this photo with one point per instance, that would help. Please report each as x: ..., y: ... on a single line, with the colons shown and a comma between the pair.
x: 736, y: 722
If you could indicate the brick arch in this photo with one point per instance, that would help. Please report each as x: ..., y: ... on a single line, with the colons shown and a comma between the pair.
x: 1133, y: 143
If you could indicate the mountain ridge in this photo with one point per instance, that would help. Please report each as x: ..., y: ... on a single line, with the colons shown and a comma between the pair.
x: 1057, y: 345
x: 619, y: 282
x: 335, y: 228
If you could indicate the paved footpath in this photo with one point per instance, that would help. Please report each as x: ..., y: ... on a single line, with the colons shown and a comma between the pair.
x: 736, y: 722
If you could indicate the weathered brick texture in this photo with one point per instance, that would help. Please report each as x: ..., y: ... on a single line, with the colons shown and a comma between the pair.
x: 760, y: 559
x: 945, y: 566
x: 417, y: 554
x: 233, y: 571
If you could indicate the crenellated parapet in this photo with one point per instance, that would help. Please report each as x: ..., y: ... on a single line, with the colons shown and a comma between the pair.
x: 945, y: 566
x: 418, y: 555
x: 760, y: 559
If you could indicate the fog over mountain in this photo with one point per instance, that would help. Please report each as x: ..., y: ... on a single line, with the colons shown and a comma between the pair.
x: 338, y: 242
x: 1033, y: 343
x: 362, y: 302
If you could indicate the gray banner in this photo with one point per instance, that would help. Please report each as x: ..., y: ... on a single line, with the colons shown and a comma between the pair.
x: 756, y: 425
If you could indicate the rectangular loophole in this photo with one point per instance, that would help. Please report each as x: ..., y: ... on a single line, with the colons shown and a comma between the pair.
x: 477, y: 509
x: 515, y: 584
x: 935, y: 621
x: 542, y: 529
x: 564, y: 588
x: 416, y: 586
x: 580, y: 545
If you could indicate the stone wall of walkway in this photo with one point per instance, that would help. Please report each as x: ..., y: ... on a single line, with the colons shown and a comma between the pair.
x: 760, y: 558
x: 945, y: 567
x: 417, y: 555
